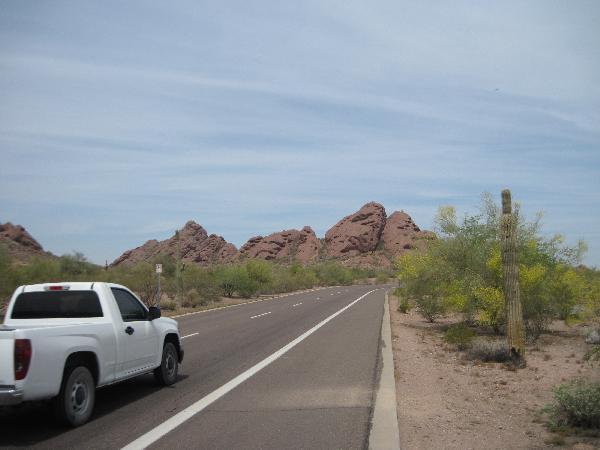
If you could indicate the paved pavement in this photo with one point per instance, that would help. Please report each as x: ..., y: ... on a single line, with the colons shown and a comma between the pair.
x: 317, y: 394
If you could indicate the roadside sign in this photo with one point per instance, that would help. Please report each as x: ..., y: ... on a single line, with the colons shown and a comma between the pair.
x: 159, y: 268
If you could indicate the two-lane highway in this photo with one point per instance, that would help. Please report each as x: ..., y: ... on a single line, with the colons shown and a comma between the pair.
x: 293, y: 372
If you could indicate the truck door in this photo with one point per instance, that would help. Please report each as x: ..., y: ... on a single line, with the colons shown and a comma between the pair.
x: 138, y: 340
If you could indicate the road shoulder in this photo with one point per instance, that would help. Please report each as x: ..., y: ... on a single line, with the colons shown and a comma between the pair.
x: 384, y: 430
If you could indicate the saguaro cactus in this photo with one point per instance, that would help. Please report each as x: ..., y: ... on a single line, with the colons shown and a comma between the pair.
x: 178, y: 268
x: 510, y: 261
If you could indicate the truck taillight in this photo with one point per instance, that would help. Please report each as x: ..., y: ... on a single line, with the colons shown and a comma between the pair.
x: 57, y: 288
x: 22, y: 358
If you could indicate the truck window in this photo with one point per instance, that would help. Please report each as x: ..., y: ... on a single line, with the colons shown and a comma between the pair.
x: 131, y: 309
x: 56, y: 304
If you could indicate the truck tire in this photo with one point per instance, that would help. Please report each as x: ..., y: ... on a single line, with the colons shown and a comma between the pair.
x: 74, y: 404
x: 166, y: 373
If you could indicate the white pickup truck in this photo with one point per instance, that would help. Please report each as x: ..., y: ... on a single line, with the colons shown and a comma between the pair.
x: 61, y: 341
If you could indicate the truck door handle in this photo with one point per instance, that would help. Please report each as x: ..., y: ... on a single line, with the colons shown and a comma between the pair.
x: 129, y: 330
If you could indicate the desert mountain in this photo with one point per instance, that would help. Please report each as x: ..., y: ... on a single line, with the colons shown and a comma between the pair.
x: 20, y: 244
x: 401, y: 234
x: 357, y: 233
x: 291, y: 245
x: 196, y: 246
x: 367, y: 237
x: 371, y: 238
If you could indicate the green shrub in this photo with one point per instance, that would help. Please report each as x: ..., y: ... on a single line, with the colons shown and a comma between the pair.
x: 333, y: 273
x: 461, y: 271
x: 168, y: 305
x: 593, y: 355
x: 77, y: 267
x: 246, y: 287
x: 576, y: 403
x: 229, y: 278
x: 488, y: 351
x: 431, y: 307
x: 259, y: 271
x: 459, y: 335
x: 186, y: 301
x: 193, y: 299
x: 141, y: 279
x: 404, y: 305
x: 203, y: 282
x: 382, y: 278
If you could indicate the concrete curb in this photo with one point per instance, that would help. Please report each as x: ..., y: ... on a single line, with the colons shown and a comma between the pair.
x: 384, y: 431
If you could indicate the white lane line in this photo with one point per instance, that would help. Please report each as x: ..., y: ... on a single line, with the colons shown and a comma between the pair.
x: 260, y: 315
x: 156, y: 433
x: 297, y: 304
x: 338, y: 292
x: 189, y: 335
x: 193, y: 313
x: 318, y: 298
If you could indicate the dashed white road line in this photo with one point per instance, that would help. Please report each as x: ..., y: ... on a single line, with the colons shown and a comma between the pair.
x: 189, y: 335
x: 159, y: 431
x: 245, y: 303
x: 297, y: 304
x: 260, y: 315
x: 318, y: 298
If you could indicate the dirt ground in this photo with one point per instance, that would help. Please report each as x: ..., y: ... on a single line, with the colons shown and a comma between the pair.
x: 448, y: 402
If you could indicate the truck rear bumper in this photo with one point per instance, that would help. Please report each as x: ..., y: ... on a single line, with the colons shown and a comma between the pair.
x: 9, y: 395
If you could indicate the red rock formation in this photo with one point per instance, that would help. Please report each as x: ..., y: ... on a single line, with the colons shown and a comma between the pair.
x: 19, y: 243
x: 138, y: 254
x: 357, y: 233
x: 401, y: 234
x: 302, y: 246
x: 195, y: 245
x: 18, y: 234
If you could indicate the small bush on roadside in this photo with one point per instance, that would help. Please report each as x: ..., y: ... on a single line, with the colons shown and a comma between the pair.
x: 488, y: 351
x: 168, y: 305
x: 382, y: 278
x: 193, y: 299
x: 332, y: 274
x: 186, y: 302
x: 203, y: 282
x: 404, y: 306
x: 196, y: 299
x: 431, y: 307
x: 459, y: 335
x: 593, y: 355
x: 576, y: 403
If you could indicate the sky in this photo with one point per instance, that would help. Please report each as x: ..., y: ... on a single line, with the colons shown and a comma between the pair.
x: 120, y: 121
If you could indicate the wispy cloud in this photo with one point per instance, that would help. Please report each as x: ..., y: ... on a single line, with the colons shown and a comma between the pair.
x: 119, y: 122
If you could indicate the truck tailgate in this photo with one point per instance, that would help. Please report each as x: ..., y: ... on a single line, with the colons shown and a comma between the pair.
x: 7, y: 348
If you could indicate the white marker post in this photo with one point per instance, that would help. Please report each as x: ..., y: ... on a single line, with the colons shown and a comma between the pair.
x: 158, y: 272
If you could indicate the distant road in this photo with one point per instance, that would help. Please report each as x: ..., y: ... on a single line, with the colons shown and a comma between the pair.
x: 317, y: 395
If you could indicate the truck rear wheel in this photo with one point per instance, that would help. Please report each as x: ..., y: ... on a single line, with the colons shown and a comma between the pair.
x: 166, y: 373
x: 75, y: 402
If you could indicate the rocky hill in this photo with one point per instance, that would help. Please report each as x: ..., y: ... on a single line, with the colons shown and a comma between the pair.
x: 357, y: 233
x: 290, y: 245
x: 371, y: 238
x: 368, y: 237
x: 196, y: 246
x: 20, y: 244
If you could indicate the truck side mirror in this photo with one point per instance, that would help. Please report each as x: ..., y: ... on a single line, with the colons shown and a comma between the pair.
x: 153, y: 313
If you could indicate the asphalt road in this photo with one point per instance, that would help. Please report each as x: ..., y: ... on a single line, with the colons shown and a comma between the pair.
x: 319, y: 394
